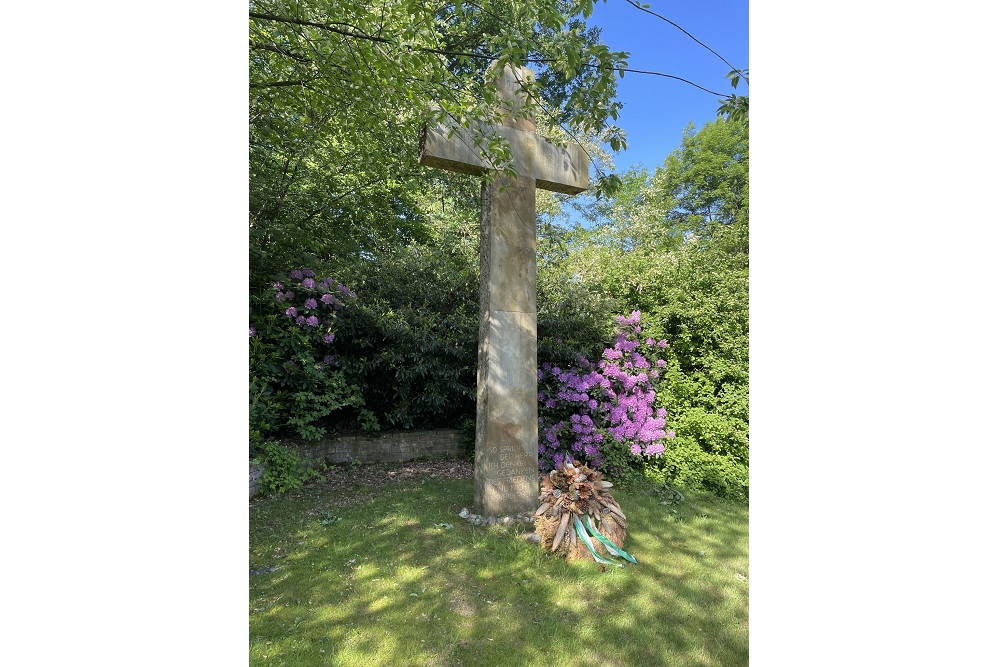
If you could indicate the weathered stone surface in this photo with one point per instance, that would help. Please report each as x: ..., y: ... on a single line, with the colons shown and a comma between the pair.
x: 256, y: 473
x: 386, y: 447
x: 508, y: 520
x: 455, y: 148
x: 506, y: 468
x: 507, y: 392
x: 508, y: 257
x: 555, y: 168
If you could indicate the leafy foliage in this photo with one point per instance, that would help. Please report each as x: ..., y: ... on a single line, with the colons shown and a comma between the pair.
x: 736, y: 107
x: 703, y: 181
x: 410, y: 339
x: 692, y: 287
x: 338, y: 93
x: 339, y: 90
x: 294, y: 382
x: 283, y: 470
x: 573, y: 317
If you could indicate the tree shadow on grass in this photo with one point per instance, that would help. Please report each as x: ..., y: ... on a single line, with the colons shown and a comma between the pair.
x: 387, y: 582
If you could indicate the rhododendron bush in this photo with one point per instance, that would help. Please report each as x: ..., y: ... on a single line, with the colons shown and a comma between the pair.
x: 294, y: 382
x: 604, y: 412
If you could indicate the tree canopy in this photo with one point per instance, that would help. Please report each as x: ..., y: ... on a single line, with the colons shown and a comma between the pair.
x: 339, y: 90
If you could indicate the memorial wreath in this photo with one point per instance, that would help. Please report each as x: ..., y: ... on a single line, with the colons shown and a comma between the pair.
x: 578, y: 517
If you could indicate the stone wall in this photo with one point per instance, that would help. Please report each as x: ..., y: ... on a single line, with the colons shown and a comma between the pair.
x: 256, y: 472
x: 388, y: 447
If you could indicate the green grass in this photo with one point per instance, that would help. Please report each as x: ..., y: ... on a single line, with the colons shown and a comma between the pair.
x: 377, y: 580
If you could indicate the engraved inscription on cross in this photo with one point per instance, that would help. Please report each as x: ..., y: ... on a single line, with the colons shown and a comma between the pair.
x: 506, y: 467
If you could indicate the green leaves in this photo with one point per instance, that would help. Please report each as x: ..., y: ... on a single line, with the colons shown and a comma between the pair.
x: 284, y: 470
x: 736, y: 107
x: 410, y: 339
x: 736, y: 75
x: 339, y: 90
x: 674, y: 244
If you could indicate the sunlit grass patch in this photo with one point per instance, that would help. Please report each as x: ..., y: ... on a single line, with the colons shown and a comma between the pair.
x: 400, y: 580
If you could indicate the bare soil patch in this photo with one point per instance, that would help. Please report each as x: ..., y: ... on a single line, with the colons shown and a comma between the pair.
x: 359, y: 482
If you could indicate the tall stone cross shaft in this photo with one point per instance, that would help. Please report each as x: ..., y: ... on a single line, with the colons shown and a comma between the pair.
x: 506, y: 468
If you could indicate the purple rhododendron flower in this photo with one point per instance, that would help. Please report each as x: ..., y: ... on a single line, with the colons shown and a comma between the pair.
x: 309, y: 283
x: 328, y: 338
x: 300, y: 320
x: 253, y: 332
x: 327, y: 299
x: 617, y: 394
x: 308, y: 273
x: 312, y: 321
x: 311, y: 304
x: 291, y: 311
x: 278, y: 286
x: 328, y: 359
x: 279, y: 297
x: 289, y: 295
x: 296, y: 274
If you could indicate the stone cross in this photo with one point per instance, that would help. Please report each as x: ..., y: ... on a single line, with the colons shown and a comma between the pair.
x: 506, y: 467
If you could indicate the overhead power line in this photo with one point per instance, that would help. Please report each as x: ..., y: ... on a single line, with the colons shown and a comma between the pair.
x: 664, y: 18
x: 351, y: 31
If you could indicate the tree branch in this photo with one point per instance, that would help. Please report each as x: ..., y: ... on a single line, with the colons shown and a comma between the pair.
x: 279, y: 50
x: 382, y: 40
x: 353, y: 32
x: 279, y: 84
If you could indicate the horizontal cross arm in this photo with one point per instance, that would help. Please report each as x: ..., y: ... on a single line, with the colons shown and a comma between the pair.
x: 557, y: 168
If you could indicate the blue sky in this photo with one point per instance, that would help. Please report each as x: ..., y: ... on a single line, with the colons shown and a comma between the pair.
x: 657, y: 109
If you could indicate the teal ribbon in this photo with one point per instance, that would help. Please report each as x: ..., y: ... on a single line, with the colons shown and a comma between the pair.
x: 612, y: 547
x: 582, y: 533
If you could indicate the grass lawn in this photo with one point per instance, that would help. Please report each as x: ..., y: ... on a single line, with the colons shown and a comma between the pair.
x: 392, y: 576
